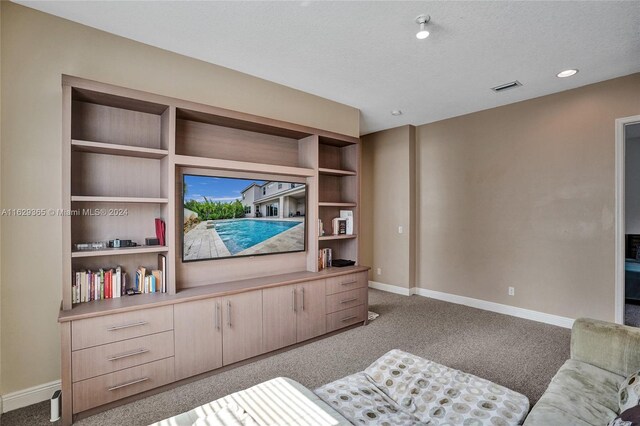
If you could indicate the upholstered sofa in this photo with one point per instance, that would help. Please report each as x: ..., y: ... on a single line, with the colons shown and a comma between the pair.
x: 585, y: 389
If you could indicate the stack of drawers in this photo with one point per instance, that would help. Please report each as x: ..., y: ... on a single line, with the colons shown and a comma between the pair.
x: 346, y: 302
x: 115, y: 356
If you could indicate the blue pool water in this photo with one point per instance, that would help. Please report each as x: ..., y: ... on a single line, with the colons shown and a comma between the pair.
x: 239, y: 235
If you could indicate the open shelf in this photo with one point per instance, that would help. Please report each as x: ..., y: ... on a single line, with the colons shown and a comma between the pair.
x: 243, y: 166
x: 337, y: 237
x: 114, y: 149
x: 120, y: 251
x: 100, y: 199
x: 335, y: 172
x: 332, y: 204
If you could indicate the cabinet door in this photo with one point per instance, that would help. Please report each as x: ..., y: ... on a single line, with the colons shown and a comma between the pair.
x: 279, y: 317
x: 311, y: 320
x: 198, y: 337
x: 242, y: 331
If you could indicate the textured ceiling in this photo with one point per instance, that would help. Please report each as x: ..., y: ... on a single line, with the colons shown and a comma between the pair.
x: 365, y: 54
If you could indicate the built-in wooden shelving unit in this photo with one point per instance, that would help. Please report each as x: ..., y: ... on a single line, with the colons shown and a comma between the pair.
x: 125, y: 154
x: 125, y: 149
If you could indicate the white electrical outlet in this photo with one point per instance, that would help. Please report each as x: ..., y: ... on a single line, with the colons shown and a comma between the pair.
x: 379, y: 271
x: 400, y: 230
x: 512, y: 291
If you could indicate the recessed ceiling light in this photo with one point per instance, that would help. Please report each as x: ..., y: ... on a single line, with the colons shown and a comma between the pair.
x: 567, y: 73
x: 396, y: 112
x: 423, y: 20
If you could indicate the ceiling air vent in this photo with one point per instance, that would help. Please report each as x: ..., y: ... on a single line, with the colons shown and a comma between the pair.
x: 506, y: 86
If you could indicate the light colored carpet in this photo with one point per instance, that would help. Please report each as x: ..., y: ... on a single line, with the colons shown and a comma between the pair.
x: 519, y: 354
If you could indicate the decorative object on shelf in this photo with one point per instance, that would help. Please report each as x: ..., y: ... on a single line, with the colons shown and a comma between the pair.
x: 320, y: 228
x: 117, y: 243
x: 151, y: 242
x: 342, y: 262
x: 160, y: 231
x: 348, y: 215
x: 162, y: 266
x: 98, y: 245
x: 339, y: 226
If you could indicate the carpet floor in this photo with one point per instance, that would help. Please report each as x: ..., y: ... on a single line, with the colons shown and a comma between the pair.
x: 519, y: 354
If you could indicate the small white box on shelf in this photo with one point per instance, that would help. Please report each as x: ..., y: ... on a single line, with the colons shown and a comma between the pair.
x: 348, y: 215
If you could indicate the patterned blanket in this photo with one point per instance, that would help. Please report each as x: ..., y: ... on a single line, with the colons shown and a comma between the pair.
x: 403, y: 389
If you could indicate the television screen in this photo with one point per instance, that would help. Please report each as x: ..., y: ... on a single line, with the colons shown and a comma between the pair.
x: 230, y: 217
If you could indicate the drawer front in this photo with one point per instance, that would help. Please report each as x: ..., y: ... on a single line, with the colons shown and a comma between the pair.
x: 343, y: 283
x: 347, y: 299
x: 113, y: 328
x: 121, y: 384
x: 345, y: 318
x: 98, y: 360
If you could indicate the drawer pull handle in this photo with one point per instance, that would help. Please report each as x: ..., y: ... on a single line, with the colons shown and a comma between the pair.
x: 124, y: 385
x: 128, y: 354
x: 349, y: 300
x: 218, y: 316
x: 349, y: 318
x: 229, y: 313
x: 348, y: 283
x: 133, y: 324
x: 303, y: 298
x: 293, y: 302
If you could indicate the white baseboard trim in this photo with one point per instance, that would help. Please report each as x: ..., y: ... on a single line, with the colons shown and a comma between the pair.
x: 497, y: 307
x: 391, y: 288
x: 22, y: 398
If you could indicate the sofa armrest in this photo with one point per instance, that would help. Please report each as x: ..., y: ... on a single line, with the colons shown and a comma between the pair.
x: 612, y: 347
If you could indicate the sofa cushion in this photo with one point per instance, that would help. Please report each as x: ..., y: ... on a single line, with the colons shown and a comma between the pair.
x: 579, y: 394
x: 629, y: 393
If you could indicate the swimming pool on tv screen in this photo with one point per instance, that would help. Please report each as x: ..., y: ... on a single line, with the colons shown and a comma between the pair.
x: 239, y: 235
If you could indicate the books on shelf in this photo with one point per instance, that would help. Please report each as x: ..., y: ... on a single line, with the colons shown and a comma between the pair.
x: 97, y: 285
x: 112, y: 283
x: 324, y: 258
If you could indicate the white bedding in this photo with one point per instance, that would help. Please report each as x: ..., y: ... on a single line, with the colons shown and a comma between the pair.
x: 277, y: 402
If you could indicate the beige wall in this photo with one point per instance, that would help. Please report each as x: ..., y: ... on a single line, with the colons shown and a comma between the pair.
x: 523, y: 196
x: 36, y: 49
x: 388, y: 179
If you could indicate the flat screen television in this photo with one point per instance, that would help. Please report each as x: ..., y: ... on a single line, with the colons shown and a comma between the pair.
x: 231, y: 217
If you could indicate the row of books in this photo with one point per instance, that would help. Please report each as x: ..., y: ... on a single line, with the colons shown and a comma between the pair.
x: 114, y: 282
x: 324, y: 258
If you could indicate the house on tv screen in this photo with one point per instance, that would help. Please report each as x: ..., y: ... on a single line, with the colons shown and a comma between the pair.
x: 274, y: 199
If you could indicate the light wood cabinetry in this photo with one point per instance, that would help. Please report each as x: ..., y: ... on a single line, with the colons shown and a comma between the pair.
x: 292, y: 314
x: 242, y: 317
x: 198, y: 337
x: 310, y: 320
x: 279, y: 317
x: 127, y: 150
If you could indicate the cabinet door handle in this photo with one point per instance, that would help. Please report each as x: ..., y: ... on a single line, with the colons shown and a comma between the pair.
x: 124, y: 385
x: 293, y: 302
x: 217, y: 314
x: 349, y: 300
x: 349, y: 318
x: 120, y: 327
x: 128, y: 354
x: 348, y: 283
x: 229, y: 313
x: 303, y: 298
